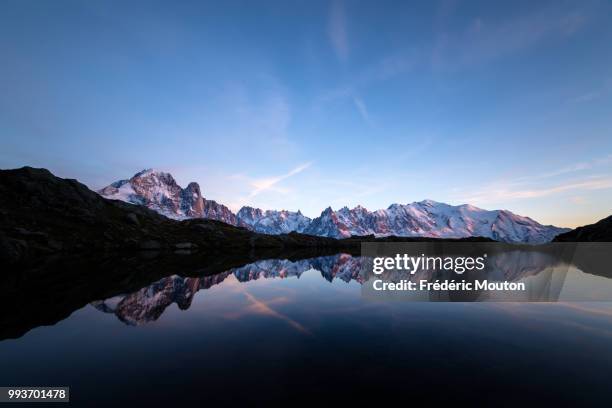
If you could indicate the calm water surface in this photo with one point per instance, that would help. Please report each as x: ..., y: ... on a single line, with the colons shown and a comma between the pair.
x: 301, y: 331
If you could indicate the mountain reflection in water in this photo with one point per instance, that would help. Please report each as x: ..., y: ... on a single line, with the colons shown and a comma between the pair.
x: 148, y: 303
x: 545, y: 275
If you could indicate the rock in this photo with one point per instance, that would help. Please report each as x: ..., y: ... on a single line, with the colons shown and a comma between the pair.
x: 185, y: 245
x: 133, y: 218
x: 130, y: 243
x: 56, y: 245
x: 12, y: 250
x: 31, y: 234
x: 150, y: 245
x: 205, y: 227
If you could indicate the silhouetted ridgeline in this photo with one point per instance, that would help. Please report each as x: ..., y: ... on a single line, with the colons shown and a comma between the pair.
x: 601, y: 231
x: 42, y: 214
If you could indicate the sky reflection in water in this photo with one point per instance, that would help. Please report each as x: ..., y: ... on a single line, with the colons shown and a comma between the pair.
x: 235, y: 338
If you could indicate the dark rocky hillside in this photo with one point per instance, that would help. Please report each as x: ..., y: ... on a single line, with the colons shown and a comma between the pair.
x: 601, y: 231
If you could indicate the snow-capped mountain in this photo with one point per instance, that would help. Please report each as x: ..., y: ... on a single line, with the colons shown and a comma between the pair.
x: 160, y: 192
x: 273, y: 222
x: 432, y: 219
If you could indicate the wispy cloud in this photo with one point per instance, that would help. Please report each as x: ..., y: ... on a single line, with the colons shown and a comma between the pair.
x: 572, y: 168
x: 484, y: 40
x: 362, y: 109
x: 262, y: 307
x: 586, y: 97
x: 497, y: 193
x: 270, y: 183
x: 337, y: 30
x: 544, y: 184
x: 595, y: 184
x: 265, y: 109
x: 378, y: 71
x: 593, y: 94
x: 352, y: 89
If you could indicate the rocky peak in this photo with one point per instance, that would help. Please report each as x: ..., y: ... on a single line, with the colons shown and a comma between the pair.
x: 249, y: 213
x: 326, y: 212
x: 193, y: 188
x: 159, y: 191
x: 272, y: 221
x: 192, y: 203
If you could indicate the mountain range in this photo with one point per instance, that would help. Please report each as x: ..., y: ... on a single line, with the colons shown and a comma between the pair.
x: 159, y: 191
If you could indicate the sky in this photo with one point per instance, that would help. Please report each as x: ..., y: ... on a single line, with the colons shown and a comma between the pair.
x: 308, y: 104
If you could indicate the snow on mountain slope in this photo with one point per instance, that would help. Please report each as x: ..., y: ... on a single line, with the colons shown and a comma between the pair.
x: 160, y: 192
x: 273, y: 222
x: 432, y: 219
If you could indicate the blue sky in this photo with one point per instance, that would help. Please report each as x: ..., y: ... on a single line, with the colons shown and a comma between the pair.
x: 301, y: 105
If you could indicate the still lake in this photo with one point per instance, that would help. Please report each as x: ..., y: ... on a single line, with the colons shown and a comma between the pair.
x: 301, y: 331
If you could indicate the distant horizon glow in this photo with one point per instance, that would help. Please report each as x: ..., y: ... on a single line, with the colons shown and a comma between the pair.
x: 305, y: 105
